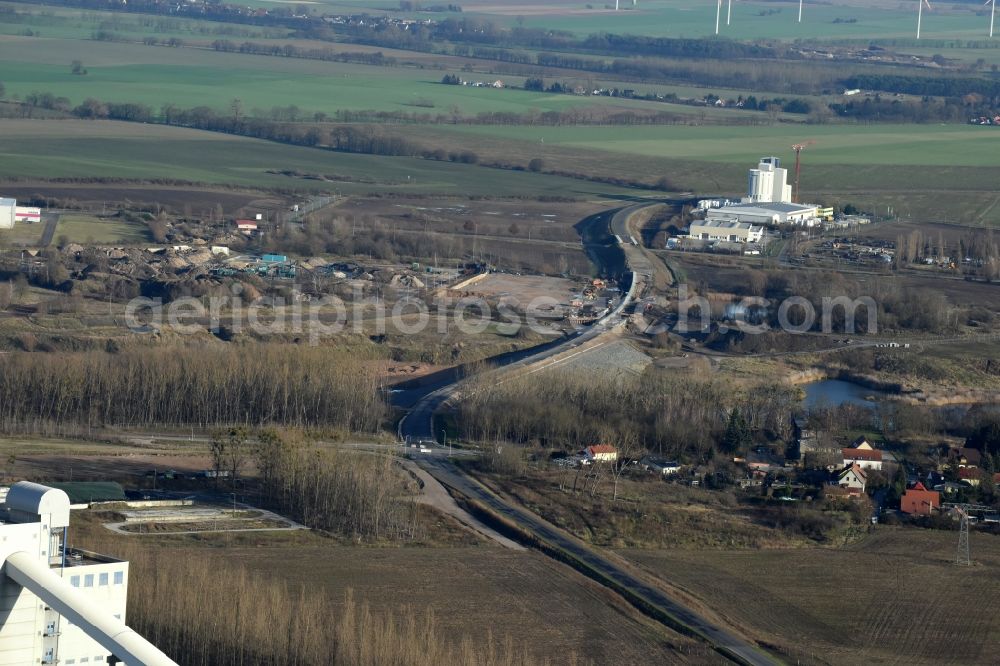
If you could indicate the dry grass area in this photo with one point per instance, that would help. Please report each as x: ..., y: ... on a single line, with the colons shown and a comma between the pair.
x: 524, y: 288
x: 895, y: 597
x: 649, y: 513
x: 205, y: 526
x: 197, y: 200
x: 474, y: 591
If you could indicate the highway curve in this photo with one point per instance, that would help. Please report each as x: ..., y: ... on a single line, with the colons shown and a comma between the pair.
x: 418, y: 425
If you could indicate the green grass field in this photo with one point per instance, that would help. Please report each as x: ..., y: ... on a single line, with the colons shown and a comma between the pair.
x: 74, y: 149
x: 90, y: 229
x: 198, y: 77
x: 750, y: 20
x: 22, y: 234
x: 945, y: 145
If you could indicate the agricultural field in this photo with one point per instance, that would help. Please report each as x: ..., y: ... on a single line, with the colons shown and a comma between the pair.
x: 847, y: 144
x: 189, y: 77
x: 896, y: 596
x: 882, y: 19
x: 925, y: 173
x: 106, y: 149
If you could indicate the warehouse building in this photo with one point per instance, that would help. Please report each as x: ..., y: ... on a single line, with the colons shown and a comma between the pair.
x: 60, y: 605
x: 768, y: 183
x: 29, y: 214
x: 726, y: 230
x: 8, y: 209
x: 768, y: 214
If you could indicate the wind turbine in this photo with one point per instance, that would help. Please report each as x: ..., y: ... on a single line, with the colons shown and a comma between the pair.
x: 718, y: 14
x: 800, y: 11
x: 729, y: 11
x: 920, y: 13
x: 993, y: 13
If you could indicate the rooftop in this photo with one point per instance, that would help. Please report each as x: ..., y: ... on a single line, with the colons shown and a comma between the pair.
x: 725, y: 224
x: 7, y: 202
x: 862, y: 454
x: 773, y: 207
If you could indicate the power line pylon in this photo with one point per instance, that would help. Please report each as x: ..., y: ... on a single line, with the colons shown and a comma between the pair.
x: 963, y: 540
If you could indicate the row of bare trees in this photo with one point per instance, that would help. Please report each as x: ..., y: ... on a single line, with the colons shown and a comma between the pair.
x: 203, y: 386
x: 349, y: 493
x: 207, y: 611
x: 668, y: 415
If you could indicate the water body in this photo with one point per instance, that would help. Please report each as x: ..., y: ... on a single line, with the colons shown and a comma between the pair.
x: 836, y: 392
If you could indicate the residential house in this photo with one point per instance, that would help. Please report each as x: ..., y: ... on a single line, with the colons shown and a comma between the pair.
x: 659, y: 465
x: 863, y: 454
x: 248, y: 227
x: 967, y: 457
x: 969, y: 475
x: 853, y: 478
x: 601, y: 453
x: 919, y: 500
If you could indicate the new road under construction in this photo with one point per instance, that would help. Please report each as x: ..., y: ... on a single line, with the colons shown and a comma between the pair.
x: 643, y: 273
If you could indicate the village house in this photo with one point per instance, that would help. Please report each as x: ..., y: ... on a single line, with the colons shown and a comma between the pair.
x: 248, y: 227
x: 966, y: 457
x: 659, y: 465
x: 862, y: 453
x: 853, y: 478
x: 969, y: 475
x: 600, y: 453
x: 919, y: 500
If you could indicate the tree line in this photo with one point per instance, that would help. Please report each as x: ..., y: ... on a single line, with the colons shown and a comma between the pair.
x: 347, y: 493
x: 291, y: 51
x: 681, y: 417
x: 199, y: 386
x: 931, y: 86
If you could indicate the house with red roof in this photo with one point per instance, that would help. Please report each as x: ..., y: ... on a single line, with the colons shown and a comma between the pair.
x: 853, y: 478
x: 919, y: 500
x: 862, y: 453
x: 601, y: 453
x: 248, y: 227
x: 970, y: 475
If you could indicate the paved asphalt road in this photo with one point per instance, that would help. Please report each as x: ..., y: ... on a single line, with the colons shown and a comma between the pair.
x: 418, y: 425
x: 51, y: 221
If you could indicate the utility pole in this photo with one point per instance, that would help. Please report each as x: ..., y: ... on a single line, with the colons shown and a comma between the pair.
x: 962, y: 559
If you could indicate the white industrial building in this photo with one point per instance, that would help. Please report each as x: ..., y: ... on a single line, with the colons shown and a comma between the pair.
x: 29, y: 214
x: 8, y: 209
x: 768, y: 183
x: 60, y: 605
x: 726, y: 230
x: 769, y: 214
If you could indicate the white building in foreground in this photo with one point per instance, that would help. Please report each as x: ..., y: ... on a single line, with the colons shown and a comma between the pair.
x: 60, y: 605
x: 768, y: 183
x: 768, y: 214
x: 726, y: 230
x: 8, y: 209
